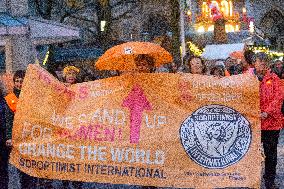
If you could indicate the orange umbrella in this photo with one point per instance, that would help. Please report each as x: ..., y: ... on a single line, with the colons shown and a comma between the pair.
x: 121, y: 57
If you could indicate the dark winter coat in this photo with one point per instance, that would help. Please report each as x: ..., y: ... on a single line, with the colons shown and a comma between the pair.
x: 10, y: 117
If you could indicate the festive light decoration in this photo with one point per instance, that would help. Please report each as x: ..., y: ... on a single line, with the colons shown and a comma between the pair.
x: 188, y: 13
x: 271, y: 53
x: 213, y: 10
x: 194, y: 49
x: 46, y: 58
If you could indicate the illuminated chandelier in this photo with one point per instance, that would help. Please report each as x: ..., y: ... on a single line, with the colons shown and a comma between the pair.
x: 212, y: 10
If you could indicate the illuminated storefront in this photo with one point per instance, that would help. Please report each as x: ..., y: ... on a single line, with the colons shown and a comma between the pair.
x: 205, y: 21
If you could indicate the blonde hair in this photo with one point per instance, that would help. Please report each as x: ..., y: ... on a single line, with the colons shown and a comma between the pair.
x: 68, y: 69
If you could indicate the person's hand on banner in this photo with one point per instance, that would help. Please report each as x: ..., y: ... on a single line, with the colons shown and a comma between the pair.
x: 9, y: 143
x: 263, y: 115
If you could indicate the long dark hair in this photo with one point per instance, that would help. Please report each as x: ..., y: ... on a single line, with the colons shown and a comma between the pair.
x: 19, y: 74
x: 148, y: 58
x: 219, y: 68
x: 278, y: 72
x: 249, y: 56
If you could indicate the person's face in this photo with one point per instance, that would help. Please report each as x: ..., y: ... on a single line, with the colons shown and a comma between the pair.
x: 18, y: 83
x: 230, y: 62
x: 279, y: 66
x: 71, y: 77
x: 239, y: 68
x: 216, y: 133
x: 196, y: 66
x: 142, y: 66
x: 218, y: 72
x: 260, y: 65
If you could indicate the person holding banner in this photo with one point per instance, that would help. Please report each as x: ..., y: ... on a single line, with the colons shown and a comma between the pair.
x: 144, y: 64
x: 10, y: 110
x: 218, y: 71
x: 247, y: 61
x: 196, y: 66
x: 271, y: 99
x: 70, y: 75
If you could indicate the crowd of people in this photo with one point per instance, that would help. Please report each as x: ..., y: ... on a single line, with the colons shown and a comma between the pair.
x: 269, y: 73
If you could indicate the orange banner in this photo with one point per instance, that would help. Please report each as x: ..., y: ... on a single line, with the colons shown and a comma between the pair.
x: 167, y: 130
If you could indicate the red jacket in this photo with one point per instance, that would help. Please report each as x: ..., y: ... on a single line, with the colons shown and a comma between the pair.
x: 271, y: 98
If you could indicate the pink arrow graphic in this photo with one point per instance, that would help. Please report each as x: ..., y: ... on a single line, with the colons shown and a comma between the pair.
x: 137, y: 102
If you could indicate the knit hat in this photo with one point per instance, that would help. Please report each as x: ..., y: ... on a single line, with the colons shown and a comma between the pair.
x: 70, y: 69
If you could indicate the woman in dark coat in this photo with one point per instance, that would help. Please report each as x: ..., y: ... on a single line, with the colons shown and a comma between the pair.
x: 3, y: 149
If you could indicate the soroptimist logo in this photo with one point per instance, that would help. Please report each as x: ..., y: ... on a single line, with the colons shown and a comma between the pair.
x: 216, y: 136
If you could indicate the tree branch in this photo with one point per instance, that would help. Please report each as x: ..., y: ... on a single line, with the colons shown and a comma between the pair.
x: 38, y: 9
x: 122, y: 2
x: 65, y: 15
x: 92, y: 32
x: 83, y: 19
x: 48, y: 10
x: 124, y: 15
x: 73, y: 10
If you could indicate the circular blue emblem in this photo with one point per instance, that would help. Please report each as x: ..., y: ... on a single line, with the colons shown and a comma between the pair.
x: 216, y: 136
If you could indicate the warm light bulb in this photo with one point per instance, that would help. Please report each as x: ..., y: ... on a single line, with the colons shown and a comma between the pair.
x: 211, y: 28
x: 244, y: 10
x: 188, y: 13
x: 201, y: 29
x: 229, y: 28
x: 237, y: 28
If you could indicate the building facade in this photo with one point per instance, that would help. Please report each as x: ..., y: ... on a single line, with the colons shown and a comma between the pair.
x: 269, y: 18
x: 143, y: 20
